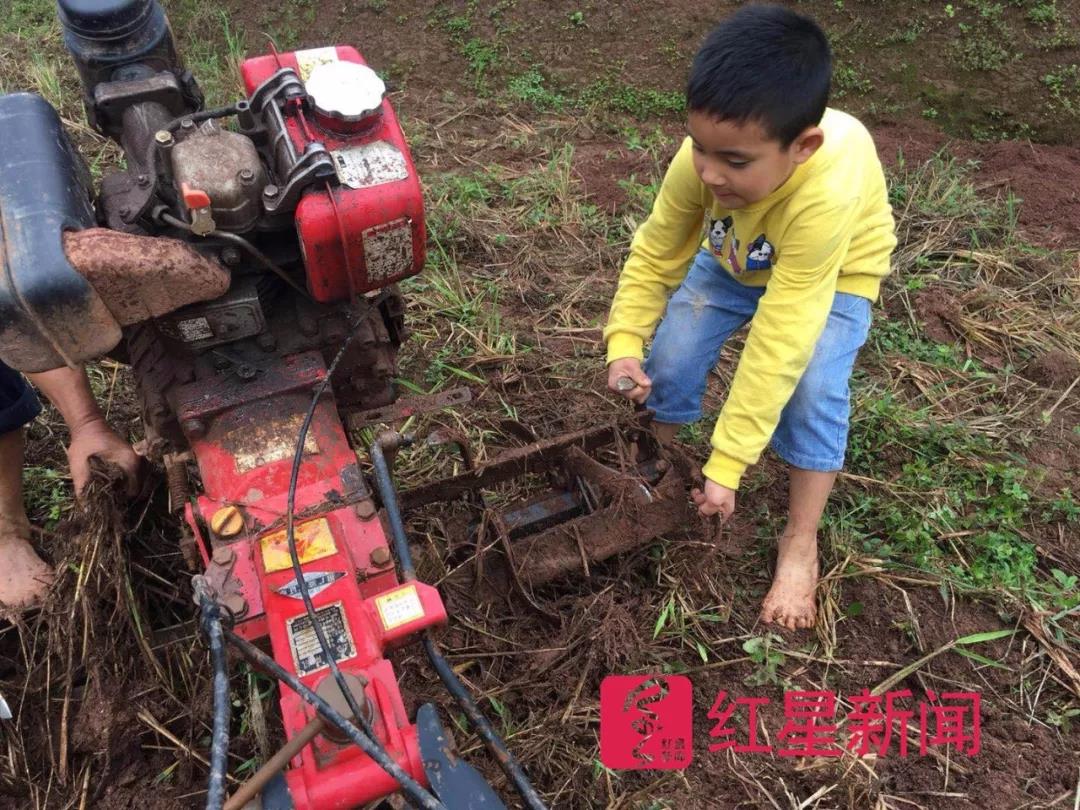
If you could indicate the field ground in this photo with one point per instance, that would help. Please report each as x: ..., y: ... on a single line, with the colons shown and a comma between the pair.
x: 949, y: 550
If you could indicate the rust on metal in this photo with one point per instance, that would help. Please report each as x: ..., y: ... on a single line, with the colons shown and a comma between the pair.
x: 405, y: 407
x: 210, y: 396
x: 143, y: 277
x: 531, y: 458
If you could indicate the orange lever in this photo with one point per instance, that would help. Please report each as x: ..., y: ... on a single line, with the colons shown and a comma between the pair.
x: 194, y: 198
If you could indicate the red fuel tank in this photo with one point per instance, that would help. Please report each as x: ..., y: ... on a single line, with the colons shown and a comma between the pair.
x: 368, y: 230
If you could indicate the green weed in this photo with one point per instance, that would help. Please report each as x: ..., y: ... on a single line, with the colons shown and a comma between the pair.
x: 531, y: 88
x: 908, y: 35
x: 954, y: 502
x: 481, y: 56
x: 983, y: 42
x: 765, y: 655
x: 677, y: 620
x: 848, y: 81
x: 47, y: 495
x: 1064, y: 87
x: 1043, y: 14
x: 635, y: 101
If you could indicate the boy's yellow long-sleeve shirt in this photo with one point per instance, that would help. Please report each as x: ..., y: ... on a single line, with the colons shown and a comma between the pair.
x: 828, y: 228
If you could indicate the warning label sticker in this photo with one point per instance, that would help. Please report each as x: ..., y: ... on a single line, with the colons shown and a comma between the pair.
x: 399, y: 607
x: 370, y: 164
x: 313, y: 542
x: 307, y: 652
x: 310, y: 59
x: 388, y: 249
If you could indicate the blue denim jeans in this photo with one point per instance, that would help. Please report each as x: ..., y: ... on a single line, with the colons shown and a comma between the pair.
x: 18, y: 403
x: 704, y: 312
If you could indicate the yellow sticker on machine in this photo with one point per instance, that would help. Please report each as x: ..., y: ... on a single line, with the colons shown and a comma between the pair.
x: 310, y: 59
x: 313, y: 542
x: 399, y: 607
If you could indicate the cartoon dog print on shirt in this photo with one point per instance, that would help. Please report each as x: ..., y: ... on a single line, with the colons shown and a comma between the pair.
x: 718, y: 231
x: 759, y: 255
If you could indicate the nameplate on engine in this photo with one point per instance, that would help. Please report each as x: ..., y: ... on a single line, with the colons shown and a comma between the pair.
x: 369, y: 164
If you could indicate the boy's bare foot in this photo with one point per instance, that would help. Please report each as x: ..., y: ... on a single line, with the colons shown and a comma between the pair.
x: 24, y: 577
x: 790, y: 601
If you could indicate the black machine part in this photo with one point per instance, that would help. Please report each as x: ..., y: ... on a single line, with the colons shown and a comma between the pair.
x: 49, y: 315
x: 126, y: 43
x: 457, y: 783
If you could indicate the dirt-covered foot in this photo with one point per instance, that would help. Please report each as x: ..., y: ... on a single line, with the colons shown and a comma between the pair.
x: 790, y: 600
x: 24, y: 576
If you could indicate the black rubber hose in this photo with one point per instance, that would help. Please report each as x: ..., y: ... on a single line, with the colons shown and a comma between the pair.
x: 415, y: 792
x: 389, y: 498
x: 507, y: 761
x: 219, y: 745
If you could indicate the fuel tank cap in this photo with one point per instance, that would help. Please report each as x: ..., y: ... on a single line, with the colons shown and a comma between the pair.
x: 345, y: 92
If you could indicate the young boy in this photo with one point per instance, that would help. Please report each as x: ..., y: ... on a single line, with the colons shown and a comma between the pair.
x: 798, y: 232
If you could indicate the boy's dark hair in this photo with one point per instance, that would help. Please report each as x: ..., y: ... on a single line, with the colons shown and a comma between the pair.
x: 767, y: 64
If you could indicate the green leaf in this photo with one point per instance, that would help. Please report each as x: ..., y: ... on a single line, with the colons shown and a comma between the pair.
x: 464, y: 374
x: 982, y: 659
x: 989, y: 635
x: 662, y: 620
x: 854, y: 609
x: 752, y: 646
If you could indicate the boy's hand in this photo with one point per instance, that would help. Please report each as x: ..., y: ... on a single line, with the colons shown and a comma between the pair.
x: 715, y: 500
x: 629, y: 368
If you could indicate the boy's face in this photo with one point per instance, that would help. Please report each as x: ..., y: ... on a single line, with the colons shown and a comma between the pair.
x: 740, y: 163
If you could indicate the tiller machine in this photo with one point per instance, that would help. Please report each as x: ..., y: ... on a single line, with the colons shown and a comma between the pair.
x: 245, y: 264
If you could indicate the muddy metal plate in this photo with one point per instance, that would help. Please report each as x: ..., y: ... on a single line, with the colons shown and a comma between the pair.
x: 388, y: 249
x: 257, y: 445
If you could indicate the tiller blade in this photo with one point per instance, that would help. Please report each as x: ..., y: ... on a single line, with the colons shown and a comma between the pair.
x: 611, y: 489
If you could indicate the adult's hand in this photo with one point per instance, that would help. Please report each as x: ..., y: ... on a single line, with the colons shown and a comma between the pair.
x: 98, y: 439
x: 69, y: 391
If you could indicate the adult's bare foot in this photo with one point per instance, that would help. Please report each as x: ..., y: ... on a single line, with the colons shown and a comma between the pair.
x: 24, y: 577
x: 790, y: 601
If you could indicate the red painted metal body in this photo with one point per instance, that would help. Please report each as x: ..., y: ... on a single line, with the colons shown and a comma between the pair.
x: 243, y: 432
x: 245, y: 460
x: 368, y: 231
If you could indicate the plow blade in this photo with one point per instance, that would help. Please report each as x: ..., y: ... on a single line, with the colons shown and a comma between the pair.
x: 610, y: 490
